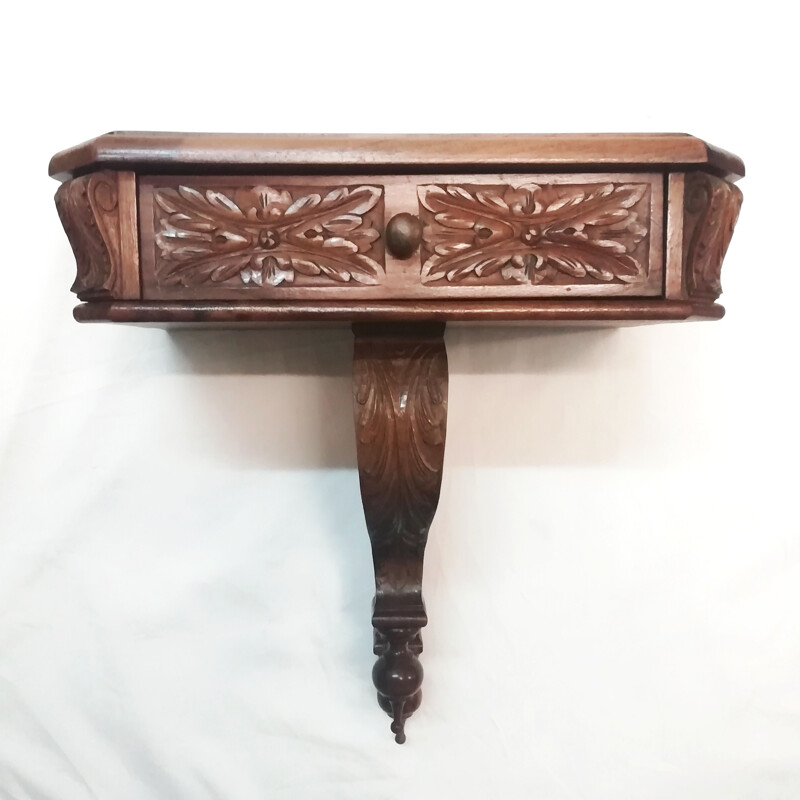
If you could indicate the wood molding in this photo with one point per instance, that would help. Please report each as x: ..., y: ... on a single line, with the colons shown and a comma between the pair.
x: 98, y: 212
x: 531, y: 312
x: 673, y: 269
x: 153, y: 151
x: 400, y: 403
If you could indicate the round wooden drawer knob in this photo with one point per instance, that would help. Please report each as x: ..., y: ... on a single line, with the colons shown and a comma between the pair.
x: 403, y: 235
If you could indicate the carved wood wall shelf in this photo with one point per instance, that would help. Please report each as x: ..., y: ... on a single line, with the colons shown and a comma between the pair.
x: 397, y: 235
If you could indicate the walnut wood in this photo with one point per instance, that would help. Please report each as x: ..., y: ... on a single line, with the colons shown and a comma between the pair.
x: 98, y: 213
x: 397, y: 236
x: 673, y: 270
x: 403, y: 234
x: 268, y: 153
x: 294, y: 237
x: 710, y: 210
x: 544, y: 235
x: 542, y: 312
x: 702, y: 211
x: 400, y: 403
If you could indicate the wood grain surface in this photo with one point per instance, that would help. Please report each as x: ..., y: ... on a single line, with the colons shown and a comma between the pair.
x: 542, y: 312
x: 225, y: 152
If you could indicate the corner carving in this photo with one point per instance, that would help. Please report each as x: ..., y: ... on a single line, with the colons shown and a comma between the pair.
x: 400, y: 402
x: 98, y: 214
x: 711, y: 208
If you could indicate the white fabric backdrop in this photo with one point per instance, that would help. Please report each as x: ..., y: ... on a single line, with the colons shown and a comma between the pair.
x: 613, y: 576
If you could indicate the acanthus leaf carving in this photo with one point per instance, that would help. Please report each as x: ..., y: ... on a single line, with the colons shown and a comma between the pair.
x: 536, y: 233
x: 401, y: 413
x: 400, y: 404
x: 88, y: 207
x: 265, y: 235
x: 711, y: 209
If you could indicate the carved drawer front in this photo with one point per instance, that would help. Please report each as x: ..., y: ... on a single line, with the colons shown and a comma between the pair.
x: 219, y: 238
x: 553, y: 235
x: 471, y: 236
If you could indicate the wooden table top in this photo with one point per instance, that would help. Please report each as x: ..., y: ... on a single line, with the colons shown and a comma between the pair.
x: 214, y: 152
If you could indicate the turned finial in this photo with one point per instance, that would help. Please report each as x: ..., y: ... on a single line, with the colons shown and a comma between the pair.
x: 397, y: 676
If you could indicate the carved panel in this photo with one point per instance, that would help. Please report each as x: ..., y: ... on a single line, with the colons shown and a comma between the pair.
x: 400, y: 403
x: 711, y: 207
x: 400, y: 397
x: 250, y: 237
x: 98, y: 213
x: 536, y: 233
x: 315, y: 237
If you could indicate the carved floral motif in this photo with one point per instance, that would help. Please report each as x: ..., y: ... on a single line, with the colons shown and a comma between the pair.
x: 711, y: 208
x: 263, y: 235
x: 88, y: 208
x: 536, y: 233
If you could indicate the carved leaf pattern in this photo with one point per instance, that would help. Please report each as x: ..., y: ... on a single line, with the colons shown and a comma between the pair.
x: 88, y: 207
x: 401, y: 415
x: 262, y: 235
x: 535, y: 233
x: 711, y: 208
x: 400, y: 403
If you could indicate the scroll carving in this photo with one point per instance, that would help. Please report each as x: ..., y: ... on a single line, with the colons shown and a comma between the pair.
x: 400, y: 403
x: 536, y: 233
x: 89, y: 208
x: 711, y: 208
x: 268, y: 236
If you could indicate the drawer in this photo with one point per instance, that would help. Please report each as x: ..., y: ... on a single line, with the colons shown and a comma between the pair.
x: 379, y: 237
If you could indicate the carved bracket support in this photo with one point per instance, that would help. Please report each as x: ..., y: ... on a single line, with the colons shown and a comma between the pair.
x: 711, y: 209
x: 400, y: 404
x: 98, y: 212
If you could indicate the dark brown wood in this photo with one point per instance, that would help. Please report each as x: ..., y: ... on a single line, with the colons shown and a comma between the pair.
x: 566, y: 235
x: 208, y: 239
x: 397, y: 236
x: 400, y: 403
x: 403, y: 234
x: 711, y: 208
x: 539, y: 312
x: 98, y: 213
x: 311, y: 237
x: 148, y: 152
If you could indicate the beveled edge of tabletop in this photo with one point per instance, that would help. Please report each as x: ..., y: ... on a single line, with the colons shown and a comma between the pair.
x: 419, y: 153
